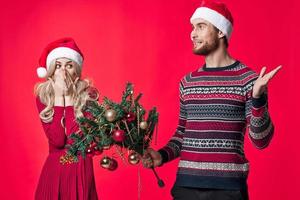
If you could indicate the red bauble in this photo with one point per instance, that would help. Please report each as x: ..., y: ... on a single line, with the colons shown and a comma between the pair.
x: 89, y: 152
x: 93, y: 144
x: 118, y: 135
x: 93, y: 93
x: 130, y: 117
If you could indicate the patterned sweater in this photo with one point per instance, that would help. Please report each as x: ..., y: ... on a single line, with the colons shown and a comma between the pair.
x: 216, y: 107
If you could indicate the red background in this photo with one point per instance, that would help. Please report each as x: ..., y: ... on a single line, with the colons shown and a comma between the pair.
x: 147, y: 43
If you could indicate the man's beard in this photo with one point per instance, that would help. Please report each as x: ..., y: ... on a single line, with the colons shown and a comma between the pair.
x: 207, y: 48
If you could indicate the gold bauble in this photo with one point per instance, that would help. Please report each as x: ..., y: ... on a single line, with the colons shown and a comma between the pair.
x: 133, y: 158
x: 144, y: 125
x: 105, y: 162
x: 110, y: 115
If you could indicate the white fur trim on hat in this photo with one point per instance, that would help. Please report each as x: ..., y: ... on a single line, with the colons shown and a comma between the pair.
x: 215, y: 18
x: 41, y: 72
x: 64, y: 52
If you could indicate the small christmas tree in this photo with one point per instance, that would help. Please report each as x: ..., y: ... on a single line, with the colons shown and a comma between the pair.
x: 123, y: 124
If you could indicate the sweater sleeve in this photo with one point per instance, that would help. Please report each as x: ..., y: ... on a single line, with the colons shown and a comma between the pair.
x: 54, y: 130
x: 173, y: 147
x: 71, y: 124
x: 261, y: 128
x: 70, y: 121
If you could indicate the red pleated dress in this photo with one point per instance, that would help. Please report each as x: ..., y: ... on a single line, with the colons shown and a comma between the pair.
x: 64, y: 182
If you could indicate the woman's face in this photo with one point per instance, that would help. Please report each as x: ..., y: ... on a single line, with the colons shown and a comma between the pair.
x: 65, y: 67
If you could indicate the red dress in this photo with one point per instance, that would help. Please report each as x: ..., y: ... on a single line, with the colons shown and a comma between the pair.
x: 64, y: 182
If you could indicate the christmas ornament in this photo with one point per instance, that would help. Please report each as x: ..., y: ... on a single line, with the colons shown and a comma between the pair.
x: 109, y: 163
x: 113, y: 165
x: 93, y: 93
x: 110, y: 115
x: 130, y: 117
x: 118, y: 135
x: 89, y: 151
x: 133, y: 158
x: 143, y: 125
x: 105, y: 162
x: 93, y: 144
x: 67, y: 159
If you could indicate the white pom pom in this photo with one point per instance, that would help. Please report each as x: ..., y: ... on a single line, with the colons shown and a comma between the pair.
x: 41, y: 72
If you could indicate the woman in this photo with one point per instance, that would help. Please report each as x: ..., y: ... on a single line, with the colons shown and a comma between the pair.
x: 60, y: 100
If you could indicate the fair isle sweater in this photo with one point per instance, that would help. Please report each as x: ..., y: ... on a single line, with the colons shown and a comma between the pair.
x: 216, y: 107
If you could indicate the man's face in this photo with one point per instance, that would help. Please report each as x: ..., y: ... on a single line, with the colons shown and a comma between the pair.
x: 204, y: 36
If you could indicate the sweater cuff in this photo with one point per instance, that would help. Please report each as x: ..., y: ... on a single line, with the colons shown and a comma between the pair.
x: 259, y: 102
x: 69, y: 110
x: 58, y: 114
x: 164, y: 156
x: 59, y: 110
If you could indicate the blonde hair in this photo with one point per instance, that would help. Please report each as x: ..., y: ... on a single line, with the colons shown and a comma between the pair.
x: 81, y: 91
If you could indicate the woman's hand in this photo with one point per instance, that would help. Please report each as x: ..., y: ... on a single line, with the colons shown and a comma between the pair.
x: 60, y: 88
x: 63, y: 84
x: 59, y: 84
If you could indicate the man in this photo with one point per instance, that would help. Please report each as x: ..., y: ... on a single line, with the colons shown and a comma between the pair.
x: 217, y: 103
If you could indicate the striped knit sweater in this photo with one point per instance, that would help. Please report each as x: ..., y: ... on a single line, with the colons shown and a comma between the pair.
x: 216, y: 107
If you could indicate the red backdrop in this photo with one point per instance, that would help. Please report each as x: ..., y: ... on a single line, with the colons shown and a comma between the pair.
x: 147, y: 43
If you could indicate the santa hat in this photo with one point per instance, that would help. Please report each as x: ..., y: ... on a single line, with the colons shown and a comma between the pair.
x: 217, y: 14
x: 61, y: 48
